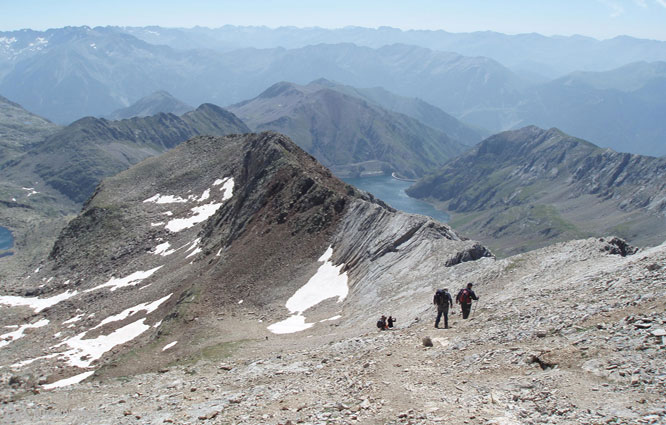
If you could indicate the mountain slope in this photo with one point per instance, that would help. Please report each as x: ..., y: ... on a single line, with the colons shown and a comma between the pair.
x: 84, y: 71
x: 20, y: 129
x: 221, y: 232
x: 531, y: 187
x: 153, y: 104
x: 74, y: 160
x: 347, y: 134
x: 416, y: 108
x: 619, y: 109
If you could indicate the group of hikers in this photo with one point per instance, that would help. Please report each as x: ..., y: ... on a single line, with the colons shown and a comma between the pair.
x: 384, y: 324
x: 443, y: 301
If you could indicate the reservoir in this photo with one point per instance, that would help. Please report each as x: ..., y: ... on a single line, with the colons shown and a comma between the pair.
x: 392, y: 191
x: 6, y: 239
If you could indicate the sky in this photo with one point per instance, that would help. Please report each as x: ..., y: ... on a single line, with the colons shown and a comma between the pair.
x: 596, y: 18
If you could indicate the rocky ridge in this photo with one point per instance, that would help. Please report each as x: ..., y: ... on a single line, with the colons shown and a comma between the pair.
x: 221, y: 232
x: 559, y: 186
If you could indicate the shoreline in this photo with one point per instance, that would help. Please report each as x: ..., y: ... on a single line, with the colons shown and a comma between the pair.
x: 395, y: 176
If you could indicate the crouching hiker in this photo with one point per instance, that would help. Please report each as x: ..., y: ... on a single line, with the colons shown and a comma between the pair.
x: 464, y: 298
x: 443, y: 301
x: 381, y: 323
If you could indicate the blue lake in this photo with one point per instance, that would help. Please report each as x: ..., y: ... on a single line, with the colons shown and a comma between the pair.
x: 392, y: 192
x: 6, y: 239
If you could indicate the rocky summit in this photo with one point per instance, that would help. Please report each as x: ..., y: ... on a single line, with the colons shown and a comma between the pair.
x: 236, y: 280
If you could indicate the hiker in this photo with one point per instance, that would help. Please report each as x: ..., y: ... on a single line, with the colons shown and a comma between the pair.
x: 443, y: 301
x: 381, y: 323
x: 464, y: 298
x: 390, y: 321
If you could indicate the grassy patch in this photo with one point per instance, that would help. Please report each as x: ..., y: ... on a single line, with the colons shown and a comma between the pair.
x: 515, y: 263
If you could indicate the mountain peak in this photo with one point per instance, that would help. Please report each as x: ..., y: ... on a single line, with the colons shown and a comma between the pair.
x: 154, y: 103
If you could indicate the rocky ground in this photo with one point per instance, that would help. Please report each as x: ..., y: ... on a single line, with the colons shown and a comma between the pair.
x: 569, y: 334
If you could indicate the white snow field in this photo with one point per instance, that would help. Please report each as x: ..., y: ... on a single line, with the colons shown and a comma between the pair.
x: 327, y: 283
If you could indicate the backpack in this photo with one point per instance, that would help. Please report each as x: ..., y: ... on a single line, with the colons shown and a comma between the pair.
x: 464, y: 297
x: 439, y: 298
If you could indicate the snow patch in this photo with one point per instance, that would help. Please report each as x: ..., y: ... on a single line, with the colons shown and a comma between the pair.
x: 85, y: 351
x: 148, y: 307
x: 201, y: 213
x: 295, y: 323
x: 330, y: 319
x: 204, y: 195
x: 69, y: 381
x: 5, y: 339
x: 73, y: 319
x: 327, y: 283
x: 37, y: 304
x: 31, y: 191
x: 166, y: 199
x: 131, y: 280
x: 169, y: 345
x: 163, y: 249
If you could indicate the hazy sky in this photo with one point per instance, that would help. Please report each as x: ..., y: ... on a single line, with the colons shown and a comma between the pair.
x: 596, y: 18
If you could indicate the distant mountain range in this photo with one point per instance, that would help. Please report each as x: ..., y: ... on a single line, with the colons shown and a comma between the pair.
x: 65, y: 74
x: 347, y: 134
x: 155, y: 103
x: 526, y: 188
x: 533, y: 53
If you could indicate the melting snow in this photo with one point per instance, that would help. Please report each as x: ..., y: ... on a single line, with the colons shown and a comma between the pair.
x: 148, y: 307
x: 228, y: 188
x: 159, y: 223
x: 169, y: 345
x: 163, y: 249
x: 85, y: 351
x: 73, y: 319
x: 201, y: 213
x: 17, y: 334
x: 326, y: 283
x: 166, y: 199
x: 133, y: 279
x: 38, y: 304
x: 69, y: 381
x: 295, y: 323
x: 331, y: 319
x: 204, y: 195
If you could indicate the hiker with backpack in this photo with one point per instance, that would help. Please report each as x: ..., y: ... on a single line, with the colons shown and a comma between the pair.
x: 443, y: 301
x: 381, y: 323
x: 464, y: 298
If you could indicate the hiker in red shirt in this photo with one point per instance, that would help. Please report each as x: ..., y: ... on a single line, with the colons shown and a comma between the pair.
x: 464, y: 298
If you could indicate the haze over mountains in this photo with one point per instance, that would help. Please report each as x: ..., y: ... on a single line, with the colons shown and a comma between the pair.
x: 478, y: 90
x: 534, y: 53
